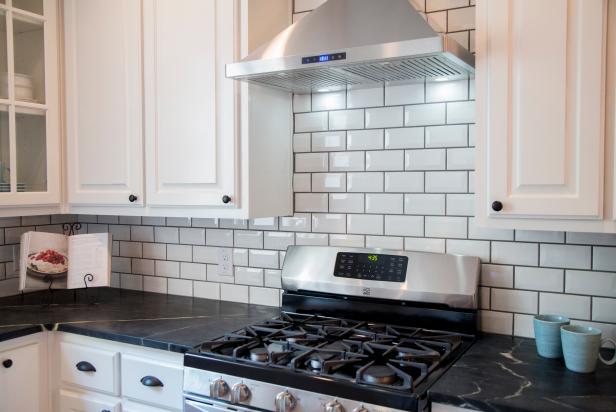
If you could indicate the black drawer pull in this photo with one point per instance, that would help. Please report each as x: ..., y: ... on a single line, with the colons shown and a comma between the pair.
x: 7, y: 363
x: 84, y: 366
x: 151, y: 381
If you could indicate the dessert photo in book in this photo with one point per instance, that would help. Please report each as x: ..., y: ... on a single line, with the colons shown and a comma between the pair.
x: 61, y: 262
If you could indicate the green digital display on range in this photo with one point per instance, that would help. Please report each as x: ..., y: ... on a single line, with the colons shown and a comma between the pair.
x: 373, y: 258
x: 370, y: 266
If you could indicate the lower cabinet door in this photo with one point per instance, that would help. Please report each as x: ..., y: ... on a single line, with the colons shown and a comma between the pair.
x: 87, y: 402
x: 20, y: 378
x: 129, y: 406
x: 151, y: 381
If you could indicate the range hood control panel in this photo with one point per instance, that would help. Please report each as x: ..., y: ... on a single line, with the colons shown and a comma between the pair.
x: 323, y: 58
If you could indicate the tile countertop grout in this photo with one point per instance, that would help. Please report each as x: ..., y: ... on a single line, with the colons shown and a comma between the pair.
x: 498, y: 373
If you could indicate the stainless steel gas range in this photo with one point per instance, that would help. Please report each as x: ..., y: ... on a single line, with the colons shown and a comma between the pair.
x: 360, y: 330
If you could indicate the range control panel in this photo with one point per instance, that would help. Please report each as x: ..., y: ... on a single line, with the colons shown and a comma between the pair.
x: 387, y: 268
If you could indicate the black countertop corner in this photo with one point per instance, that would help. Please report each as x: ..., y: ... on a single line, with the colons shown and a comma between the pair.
x: 498, y: 373
x: 168, y: 322
x: 502, y: 373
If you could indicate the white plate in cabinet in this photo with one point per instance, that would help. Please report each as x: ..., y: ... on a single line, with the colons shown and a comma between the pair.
x: 87, y: 402
x: 152, y: 381
x: 90, y: 368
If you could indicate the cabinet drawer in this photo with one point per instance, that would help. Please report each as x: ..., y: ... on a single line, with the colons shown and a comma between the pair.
x: 90, y: 368
x: 87, y: 402
x: 147, y: 380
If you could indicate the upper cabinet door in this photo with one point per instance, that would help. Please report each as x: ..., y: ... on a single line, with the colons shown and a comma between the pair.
x: 540, y: 97
x: 104, y: 101
x: 29, y: 101
x: 189, y: 104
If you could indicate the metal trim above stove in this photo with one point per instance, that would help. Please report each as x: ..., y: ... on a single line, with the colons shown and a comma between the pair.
x: 433, y: 278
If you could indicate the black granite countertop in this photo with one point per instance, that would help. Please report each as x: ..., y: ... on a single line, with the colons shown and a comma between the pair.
x: 159, y: 321
x: 501, y: 373
x: 498, y: 373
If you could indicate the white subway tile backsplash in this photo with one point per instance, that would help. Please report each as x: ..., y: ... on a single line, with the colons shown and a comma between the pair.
x: 423, y: 244
x: 404, y: 93
x: 461, y: 112
x: 365, y: 224
x: 329, y: 101
x: 384, y: 203
x: 447, y: 136
x: 460, y: 205
x: 435, y: 5
x: 192, y: 236
x: 273, y: 278
x: 590, y: 283
x: 384, y: 117
x: 182, y: 287
x: 329, y: 141
x: 499, y: 276
x: 299, y: 222
x: 511, y: 253
x: 139, y: 233
x: 539, y: 236
x: 154, y: 251
x: 424, y: 114
x: 439, y: 91
x: 565, y: 256
x: 328, y: 223
x: 328, y: 182
x: 219, y: 237
x: 234, y: 293
x: 446, y: 182
x: 365, y: 139
x: 311, y: 202
x: 206, y: 290
x: 404, y: 138
x: 263, y: 258
x: 385, y: 242
x: 496, y: 322
x: 179, y: 252
x: 248, y: 239
x: 461, y: 158
x: 424, y: 204
x: 478, y: 232
x: 461, y: 19
x: 446, y: 226
x: 154, y: 284
x: 311, y: 239
x: 301, y: 142
x: 478, y: 248
x: 346, y: 161
x: 428, y: 159
x: 278, y: 240
x: 346, y: 119
x: 264, y: 223
x: 249, y: 276
x: 510, y: 300
x: 604, y: 310
x: 404, y: 225
x: 194, y: 271
x: 264, y: 296
x: 205, y: 254
x: 544, y: 279
x: 409, y: 182
x: 346, y: 240
x: 167, y: 268
x: 362, y: 96
x: 572, y: 306
x: 523, y: 325
x: 311, y: 122
x: 240, y: 256
x: 604, y: 258
x: 602, y: 239
x: 346, y: 202
x: 311, y: 162
x: 301, y: 182
x: 233, y: 224
x: 384, y: 160
x: 365, y: 182
x: 301, y: 103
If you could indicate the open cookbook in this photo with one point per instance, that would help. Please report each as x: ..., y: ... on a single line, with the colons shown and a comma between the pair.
x: 64, y: 261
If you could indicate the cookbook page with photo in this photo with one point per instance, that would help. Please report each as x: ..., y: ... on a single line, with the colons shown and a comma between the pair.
x: 89, y: 254
x: 44, y: 260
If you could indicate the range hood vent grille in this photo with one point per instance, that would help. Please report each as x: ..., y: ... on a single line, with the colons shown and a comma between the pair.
x: 351, y: 42
x: 333, y: 78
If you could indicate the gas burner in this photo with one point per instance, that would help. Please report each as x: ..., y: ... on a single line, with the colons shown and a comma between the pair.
x: 259, y: 355
x: 380, y: 374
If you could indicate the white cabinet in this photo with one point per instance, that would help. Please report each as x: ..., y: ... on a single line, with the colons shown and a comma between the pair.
x: 209, y: 146
x: 540, y: 79
x: 23, y: 374
x: 29, y: 109
x: 103, y: 101
x: 115, y: 377
x: 71, y: 401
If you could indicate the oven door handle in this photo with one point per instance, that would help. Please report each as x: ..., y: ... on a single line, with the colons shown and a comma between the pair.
x: 191, y: 405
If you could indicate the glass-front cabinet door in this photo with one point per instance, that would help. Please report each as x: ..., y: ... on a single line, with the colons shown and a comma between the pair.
x: 29, y: 125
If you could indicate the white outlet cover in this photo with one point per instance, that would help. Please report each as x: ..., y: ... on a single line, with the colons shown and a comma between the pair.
x: 225, y: 261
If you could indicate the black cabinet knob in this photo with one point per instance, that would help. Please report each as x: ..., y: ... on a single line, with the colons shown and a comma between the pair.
x: 7, y: 363
x: 132, y: 198
x: 84, y: 366
x: 226, y: 199
x: 497, y: 206
x: 151, y: 381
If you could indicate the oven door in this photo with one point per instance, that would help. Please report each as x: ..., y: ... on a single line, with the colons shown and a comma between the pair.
x: 194, y: 404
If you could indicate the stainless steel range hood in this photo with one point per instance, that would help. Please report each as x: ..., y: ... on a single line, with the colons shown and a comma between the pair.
x: 351, y: 42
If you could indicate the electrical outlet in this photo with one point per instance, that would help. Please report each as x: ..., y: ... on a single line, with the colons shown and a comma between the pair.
x: 225, y: 261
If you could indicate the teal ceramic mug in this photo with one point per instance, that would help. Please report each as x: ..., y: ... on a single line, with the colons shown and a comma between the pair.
x: 547, y: 335
x: 581, y: 346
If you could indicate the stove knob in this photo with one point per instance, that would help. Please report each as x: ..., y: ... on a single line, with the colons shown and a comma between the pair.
x: 219, y: 389
x: 360, y: 409
x: 240, y: 393
x: 334, y: 406
x: 285, y: 402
